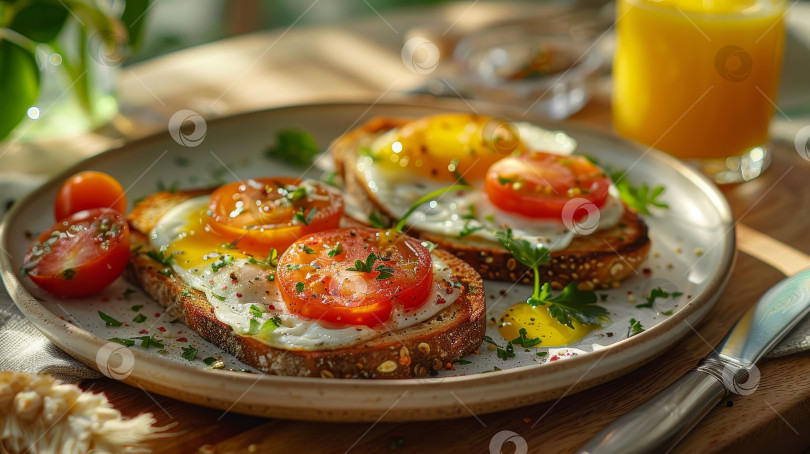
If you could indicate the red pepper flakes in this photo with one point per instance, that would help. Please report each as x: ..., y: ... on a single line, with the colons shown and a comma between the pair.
x: 527, y: 420
x: 157, y: 314
x: 629, y: 292
x: 180, y: 332
x: 181, y: 339
x: 162, y: 329
x: 62, y: 317
x: 143, y: 331
x: 449, y: 290
x: 441, y: 300
x: 126, y: 324
x: 238, y: 295
x: 646, y: 271
x: 224, y: 287
x: 234, y: 281
x: 554, y: 358
x: 272, y: 308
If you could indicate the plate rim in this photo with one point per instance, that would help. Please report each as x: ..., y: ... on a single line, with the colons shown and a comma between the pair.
x: 702, y: 302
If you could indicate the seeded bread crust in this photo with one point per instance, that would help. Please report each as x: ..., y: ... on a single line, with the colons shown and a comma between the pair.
x: 411, y: 352
x: 599, y: 260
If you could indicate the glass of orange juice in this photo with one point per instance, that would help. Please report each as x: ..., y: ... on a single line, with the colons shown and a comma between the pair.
x: 698, y: 79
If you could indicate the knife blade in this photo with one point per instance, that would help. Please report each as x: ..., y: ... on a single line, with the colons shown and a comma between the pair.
x: 662, y: 421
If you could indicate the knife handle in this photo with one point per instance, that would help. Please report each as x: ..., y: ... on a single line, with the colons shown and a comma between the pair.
x: 663, y: 420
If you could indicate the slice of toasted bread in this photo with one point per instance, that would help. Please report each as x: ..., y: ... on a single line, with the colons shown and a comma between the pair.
x: 599, y: 260
x: 414, y: 351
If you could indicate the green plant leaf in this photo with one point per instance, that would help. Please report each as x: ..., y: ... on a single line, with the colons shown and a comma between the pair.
x: 40, y: 21
x: 19, y: 84
x: 134, y: 17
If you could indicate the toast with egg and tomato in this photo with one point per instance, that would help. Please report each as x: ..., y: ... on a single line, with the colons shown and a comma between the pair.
x: 515, y: 176
x: 259, y: 268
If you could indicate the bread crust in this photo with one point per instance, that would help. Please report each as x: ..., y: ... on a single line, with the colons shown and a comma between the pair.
x: 411, y: 352
x: 599, y: 260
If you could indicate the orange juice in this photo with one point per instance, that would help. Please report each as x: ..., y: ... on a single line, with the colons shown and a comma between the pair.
x: 694, y: 78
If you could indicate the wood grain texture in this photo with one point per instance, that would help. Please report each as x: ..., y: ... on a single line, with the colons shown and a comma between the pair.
x: 775, y: 417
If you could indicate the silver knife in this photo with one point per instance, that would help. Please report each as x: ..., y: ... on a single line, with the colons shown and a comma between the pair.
x: 661, y: 422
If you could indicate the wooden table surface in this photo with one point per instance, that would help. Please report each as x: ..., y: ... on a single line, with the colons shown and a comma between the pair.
x: 284, y: 67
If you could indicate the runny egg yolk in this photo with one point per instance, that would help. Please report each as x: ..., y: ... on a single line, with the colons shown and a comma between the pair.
x: 444, y: 147
x: 197, y: 245
x: 538, y: 323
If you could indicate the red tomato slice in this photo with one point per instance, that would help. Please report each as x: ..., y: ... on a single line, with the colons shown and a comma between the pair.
x: 81, y: 254
x: 87, y: 190
x: 538, y: 184
x: 266, y: 213
x: 355, y: 276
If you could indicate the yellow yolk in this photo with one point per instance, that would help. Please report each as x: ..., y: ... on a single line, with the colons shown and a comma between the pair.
x: 197, y: 245
x: 538, y: 323
x: 442, y: 147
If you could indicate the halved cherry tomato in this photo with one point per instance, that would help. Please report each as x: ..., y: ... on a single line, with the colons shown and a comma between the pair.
x: 355, y: 276
x: 265, y: 213
x: 538, y: 184
x: 87, y: 190
x: 81, y: 254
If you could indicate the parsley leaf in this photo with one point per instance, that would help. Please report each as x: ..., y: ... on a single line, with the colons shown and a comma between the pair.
x: 635, y: 328
x: 215, y: 363
x: 337, y: 250
x: 523, y: 251
x: 149, y: 341
x: 305, y: 219
x: 506, y: 354
x: 654, y: 293
x: 456, y: 174
x: 523, y: 341
x: 137, y: 308
x: 638, y: 197
x: 294, y: 146
x: 308, y: 250
x: 160, y: 257
x: 224, y: 260
x: 255, y: 311
x: 575, y: 304
x: 124, y: 342
x: 256, y: 327
x: 467, y: 230
x: 299, y: 287
x: 108, y: 320
x: 189, y: 353
x: 140, y: 318
x: 271, y: 261
x: 129, y: 291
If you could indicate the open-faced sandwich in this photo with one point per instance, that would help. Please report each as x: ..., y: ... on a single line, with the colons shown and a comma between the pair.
x: 514, y: 177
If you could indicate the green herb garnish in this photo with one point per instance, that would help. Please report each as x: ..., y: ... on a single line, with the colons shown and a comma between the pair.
x: 635, y: 328
x: 189, y: 353
x: 308, y: 250
x: 638, y: 197
x: 124, y: 342
x: 376, y: 221
x: 295, y: 147
x: 129, y: 291
x: 108, y: 320
x: 299, y: 287
x: 571, y: 303
x: 337, y: 250
x: 305, y: 219
x: 384, y: 271
x: 224, y: 260
x: 149, y: 341
x: 400, y: 226
x: 140, y: 318
x: 523, y: 341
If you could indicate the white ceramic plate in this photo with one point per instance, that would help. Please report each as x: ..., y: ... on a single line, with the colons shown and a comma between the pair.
x: 699, y: 219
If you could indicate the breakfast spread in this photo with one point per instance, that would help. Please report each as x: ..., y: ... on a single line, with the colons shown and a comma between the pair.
x: 382, y: 277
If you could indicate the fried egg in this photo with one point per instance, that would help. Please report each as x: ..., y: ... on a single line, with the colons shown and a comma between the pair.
x: 245, y: 298
x: 404, y: 164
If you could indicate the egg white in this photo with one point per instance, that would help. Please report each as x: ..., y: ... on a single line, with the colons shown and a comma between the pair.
x: 232, y: 298
x: 450, y: 214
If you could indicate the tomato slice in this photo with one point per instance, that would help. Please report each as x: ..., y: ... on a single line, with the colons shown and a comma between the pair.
x: 538, y: 184
x: 355, y: 276
x: 81, y: 254
x: 265, y: 213
x: 87, y: 190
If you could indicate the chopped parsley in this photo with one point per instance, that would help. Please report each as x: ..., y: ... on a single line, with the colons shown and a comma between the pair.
x: 655, y: 294
x: 470, y: 214
x: 504, y: 181
x: 504, y: 354
x: 256, y: 327
x: 129, y: 291
x: 337, y: 250
x: 542, y: 354
x: 137, y: 308
x: 271, y: 261
x: 162, y: 258
x: 223, y: 261
x: 108, y: 320
x: 429, y: 245
x: 189, y: 353
x: 638, y: 197
x: 463, y: 362
x: 294, y: 146
x: 299, y: 287
x: 467, y: 230
x: 305, y: 219
x: 523, y: 341
x: 219, y: 297
x: 309, y: 250
x: 460, y: 178
x: 215, y: 363
x: 149, y: 341
x: 384, y: 270
x: 140, y: 318
x: 255, y: 311
x: 124, y: 342
x: 400, y: 226
x: 571, y: 303
x: 635, y: 328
